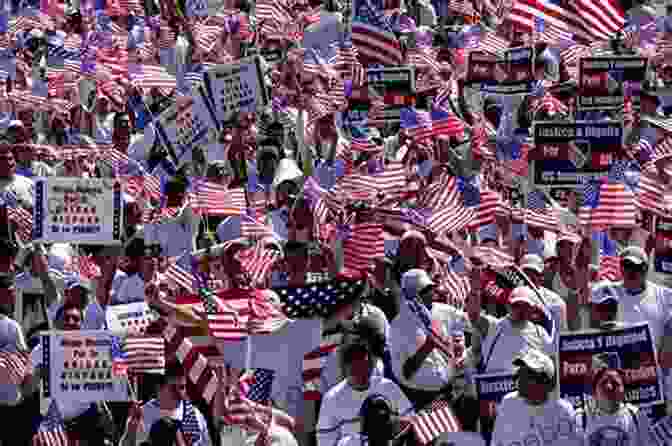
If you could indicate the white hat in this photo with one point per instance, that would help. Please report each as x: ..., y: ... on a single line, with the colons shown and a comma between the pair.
x: 415, y: 280
x: 537, y: 361
x: 523, y: 294
x: 287, y: 170
x: 533, y: 262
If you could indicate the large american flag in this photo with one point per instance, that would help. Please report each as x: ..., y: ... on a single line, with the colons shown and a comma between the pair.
x: 51, y: 431
x: 17, y: 365
x: 435, y: 420
x: 610, y: 262
x: 223, y: 320
x: 375, y: 43
x: 365, y: 244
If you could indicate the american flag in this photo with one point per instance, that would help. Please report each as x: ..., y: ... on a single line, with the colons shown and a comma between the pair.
x: 650, y: 194
x: 179, y: 276
x: 313, y: 364
x: 470, y: 190
x: 265, y: 317
x: 446, y: 123
x: 416, y: 124
x: 588, y: 20
x: 195, y: 363
x: 608, y: 204
x: 145, y: 354
x: 493, y: 44
x: 435, y: 420
x: 365, y: 244
x: 319, y: 299
x: 391, y: 182
x: 190, y: 426
x: 430, y: 326
x: 17, y: 365
x: 257, y: 385
x: 375, y: 44
x: 223, y: 321
x: 493, y: 257
x: 486, y: 209
x: 51, y: 431
x: 218, y: 199
x: 610, y: 262
x: 661, y: 432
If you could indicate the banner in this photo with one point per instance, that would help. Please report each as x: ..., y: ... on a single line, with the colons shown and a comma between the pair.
x: 129, y: 318
x: 491, y: 389
x: 78, y: 210
x: 79, y: 367
x: 235, y: 88
x: 513, y: 72
x: 601, y: 80
x: 634, y: 345
x: 395, y: 85
x: 480, y: 68
x: 663, y: 251
x: 566, y: 153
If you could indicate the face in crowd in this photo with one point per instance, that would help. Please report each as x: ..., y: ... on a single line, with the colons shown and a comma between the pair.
x: 534, y: 386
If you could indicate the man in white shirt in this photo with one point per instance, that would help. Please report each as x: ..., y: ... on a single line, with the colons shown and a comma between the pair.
x: 20, y: 186
x: 533, y: 266
x: 339, y: 412
x: 532, y: 415
x: 172, y: 401
x: 380, y: 424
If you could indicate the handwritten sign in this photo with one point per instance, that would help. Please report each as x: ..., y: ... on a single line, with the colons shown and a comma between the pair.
x: 81, y: 210
x: 130, y: 318
x: 80, y: 367
x: 235, y: 88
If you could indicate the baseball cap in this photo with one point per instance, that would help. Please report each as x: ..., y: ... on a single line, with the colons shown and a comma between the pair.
x: 522, y: 294
x: 536, y: 361
x: 533, y: 262
x: 15, y: 123
x: 635, y: 254
x: 603, y: 292
x: 414, y: 281
x: 83, y: 283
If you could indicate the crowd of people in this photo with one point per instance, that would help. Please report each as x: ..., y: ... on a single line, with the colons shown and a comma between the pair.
x: 394, y: 257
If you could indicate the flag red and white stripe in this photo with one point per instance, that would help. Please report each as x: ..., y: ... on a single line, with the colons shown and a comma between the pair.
x: 616, y: 207
x: 439, y: 418
x: 145, y: 354
x: 17, y: 365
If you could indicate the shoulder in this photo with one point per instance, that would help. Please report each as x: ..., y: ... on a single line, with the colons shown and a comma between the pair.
x: 335, y: 392
x: 512, y: 399
x: 565, y: 407
x: 21, y: 181
x: 382, y: 384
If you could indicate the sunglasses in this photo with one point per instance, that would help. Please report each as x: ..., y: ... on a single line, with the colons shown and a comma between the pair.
x: 633, y: 267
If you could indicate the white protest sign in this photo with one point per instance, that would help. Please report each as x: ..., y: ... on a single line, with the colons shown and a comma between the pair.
x: 235, y: 88
x: 79, y: 210
x: 131, y: 318
x: 79, y: 367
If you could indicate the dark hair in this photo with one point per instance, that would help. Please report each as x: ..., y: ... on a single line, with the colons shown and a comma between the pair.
x: 173, y: 369
x: 60, y: 314
x: 164, y: 432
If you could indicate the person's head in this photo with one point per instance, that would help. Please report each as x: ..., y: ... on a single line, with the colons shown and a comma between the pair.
x: 522, y: 304
x: 635, y: 265
x: 417, y: 283
x: 7, y: 294
x: 412, y: 247
x: 535, y: 374
x: 132, y: 211
x: 267, y: 163
x: 565, y: 248
x: 300, y: 221
x: 77, y: 293
x: 608, y: 377
x: 358, y: 363
x: 176, y: 190
x: 16, y: 132
x: 173, y: 385
x: 604, y: 305
x: 378, y: 417
x: 166, y: 431
x: 369, y: 330
x: 69, y: 317
x: 533, y: 266
x: 7, y: 162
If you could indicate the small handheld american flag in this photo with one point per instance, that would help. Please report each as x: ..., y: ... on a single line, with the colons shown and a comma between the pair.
x: 51, y: 431
x: 435, y: 420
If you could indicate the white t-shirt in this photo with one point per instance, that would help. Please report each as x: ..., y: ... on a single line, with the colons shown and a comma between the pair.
x: 503, y: 342
x: 550, y: 424
x: 654, y: 306
x: 339, y: 412
x: 22, y: 187
x: 628, y: 425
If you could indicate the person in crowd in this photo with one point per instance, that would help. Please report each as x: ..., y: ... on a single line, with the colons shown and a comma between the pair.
x: 166, y: 432
x: 531, y: 415
x: 340, y: 406
x: 85, y: 422
x: 607, y: 417
x: 21, y: 187
x: 15, y: 403
x: 172, y: 399
x: 604, y: 306
x: 426, y: 369
x: 380, y: 424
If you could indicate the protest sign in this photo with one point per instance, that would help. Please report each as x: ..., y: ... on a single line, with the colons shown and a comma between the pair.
x: 79, y: 365
x: 601, y: 80
x: 491, y: 389
x: 129, y: 318
x: 235, y: 88
x: 635, y: 349
x: 567, y: 153
x: 78, y: 210
x: 480, y: 67
x: 512, y: 73
x: 395, y: 86
x: 663, y: 237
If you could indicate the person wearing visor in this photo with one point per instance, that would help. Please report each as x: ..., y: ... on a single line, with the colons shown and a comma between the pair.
x: 380, y: 424
x: 604, y: 306
x: 607, y: 419
x: 532, y: 415
x: 340, y: 408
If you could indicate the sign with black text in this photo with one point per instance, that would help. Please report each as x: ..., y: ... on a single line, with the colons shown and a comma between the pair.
x: 601, y: 80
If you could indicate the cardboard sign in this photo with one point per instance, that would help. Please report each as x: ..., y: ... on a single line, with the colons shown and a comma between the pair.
x: 81, y: 368
x: 567, y: 152
x: 78, y: 210
x: 601, y: 80
x: 235, y: 88
x: 129, y: 318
